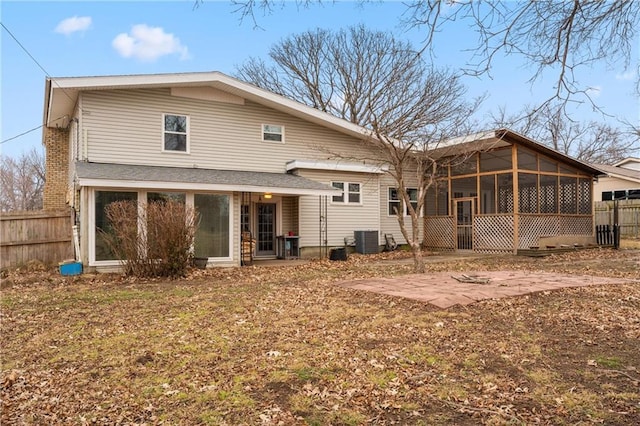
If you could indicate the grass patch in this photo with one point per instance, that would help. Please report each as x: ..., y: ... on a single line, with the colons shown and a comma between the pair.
x: 609, y: 362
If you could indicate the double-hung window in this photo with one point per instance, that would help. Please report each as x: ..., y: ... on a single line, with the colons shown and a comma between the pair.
x: 395, y: 201
x: 272, y: 133
x: 351, y: 193
x: 176, y: 133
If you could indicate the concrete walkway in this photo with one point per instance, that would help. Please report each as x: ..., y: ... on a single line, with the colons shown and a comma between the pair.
x: 443, y: 291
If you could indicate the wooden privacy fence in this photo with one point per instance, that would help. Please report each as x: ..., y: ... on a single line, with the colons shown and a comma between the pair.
x: 628, y: 216
x: 44, y: 236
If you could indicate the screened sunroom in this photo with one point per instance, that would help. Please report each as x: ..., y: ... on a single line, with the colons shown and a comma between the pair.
x: 507, y: 194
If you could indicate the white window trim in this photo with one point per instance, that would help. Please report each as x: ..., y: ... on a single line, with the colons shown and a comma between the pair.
x: 142, y: 199
x: 406, y: 208
x: 188, y: 147
x: 345, y: 194
x: 262, y: 132
x: 190, y: 200
x: 92, y: 228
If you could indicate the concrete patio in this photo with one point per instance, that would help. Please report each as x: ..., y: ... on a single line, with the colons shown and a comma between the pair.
x: 442, y: 290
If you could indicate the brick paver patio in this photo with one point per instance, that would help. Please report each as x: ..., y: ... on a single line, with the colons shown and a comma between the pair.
x: 442, y: 290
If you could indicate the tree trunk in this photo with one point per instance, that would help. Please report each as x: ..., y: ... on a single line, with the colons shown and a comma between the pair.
x: 418, y: 260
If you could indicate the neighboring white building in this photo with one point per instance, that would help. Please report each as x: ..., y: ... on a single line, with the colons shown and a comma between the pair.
x: 622, y: 181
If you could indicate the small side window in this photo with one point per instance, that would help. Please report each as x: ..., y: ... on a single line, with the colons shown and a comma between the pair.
x: 351, y: 193
x: 176, y: 133
x: 272, y: 133
x: 394, y: 201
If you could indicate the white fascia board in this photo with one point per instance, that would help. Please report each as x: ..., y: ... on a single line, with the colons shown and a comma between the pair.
x: 335, y: 166
x: 185, y: 186
x: 134, y: 80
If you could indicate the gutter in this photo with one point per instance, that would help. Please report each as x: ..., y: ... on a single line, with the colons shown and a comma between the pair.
x: 47, y: 105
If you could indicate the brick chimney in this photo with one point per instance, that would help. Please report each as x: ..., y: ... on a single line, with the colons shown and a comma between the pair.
x: 56, y: 142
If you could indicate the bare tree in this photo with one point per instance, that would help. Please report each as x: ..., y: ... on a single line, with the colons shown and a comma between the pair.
x: 22, y: 181
x: 383, y: 85
x: 410, y: 131
x: 343, y: 73
x: 562, y: 37
x: 592, y: 142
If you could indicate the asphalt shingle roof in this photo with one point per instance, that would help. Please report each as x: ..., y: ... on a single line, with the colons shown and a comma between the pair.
x: 237, y: 179
x: 620, y: 171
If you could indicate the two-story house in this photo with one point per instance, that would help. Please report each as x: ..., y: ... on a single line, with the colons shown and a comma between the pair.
x: 262, y: 167
x: 251, y: 163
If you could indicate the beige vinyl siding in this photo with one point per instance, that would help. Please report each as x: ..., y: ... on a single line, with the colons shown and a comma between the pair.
x: 342, y: 219
x: 608, y: 183
x: 290, y: 215
x: 125, y: 126
x: 388, y: 223
x: 631, y: 164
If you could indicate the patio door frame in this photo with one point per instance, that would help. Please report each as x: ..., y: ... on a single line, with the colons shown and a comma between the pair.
x: 262, y: 235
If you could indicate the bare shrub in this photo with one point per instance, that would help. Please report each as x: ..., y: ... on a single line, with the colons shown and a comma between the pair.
x: 155, y: 240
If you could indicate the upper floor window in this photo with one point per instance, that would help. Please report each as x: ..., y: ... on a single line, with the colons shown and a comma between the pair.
x: 272, y: 133
x: 394, y: 200
x: 176, y: 133
x: 351, y: 193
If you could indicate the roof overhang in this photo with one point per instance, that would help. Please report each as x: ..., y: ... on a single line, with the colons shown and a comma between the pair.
x: 484, y: 141
x: 622, y: 173
x: 182, y: 179
x: 335, y: 166
x: 508, y: 134
x: 61, y: 96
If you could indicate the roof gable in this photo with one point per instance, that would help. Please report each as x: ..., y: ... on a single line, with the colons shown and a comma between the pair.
x: 629, y: 163
x: 61, y: 96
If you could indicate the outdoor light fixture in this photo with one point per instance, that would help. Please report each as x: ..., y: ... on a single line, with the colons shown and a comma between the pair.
x: 267, y: 195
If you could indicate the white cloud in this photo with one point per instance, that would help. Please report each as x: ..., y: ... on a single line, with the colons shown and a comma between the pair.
x: 73, y: 25
x: 148, y: 44
x: 627, y: 75
x: 594, y: 91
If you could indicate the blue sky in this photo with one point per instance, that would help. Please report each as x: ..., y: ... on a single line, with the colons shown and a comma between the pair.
x: 105, y: 38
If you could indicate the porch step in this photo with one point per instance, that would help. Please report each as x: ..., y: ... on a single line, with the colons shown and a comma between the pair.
x: 535, y: 252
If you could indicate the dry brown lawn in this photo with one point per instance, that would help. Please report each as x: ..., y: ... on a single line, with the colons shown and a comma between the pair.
x: 630, y: 244
x: 284, y: 345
